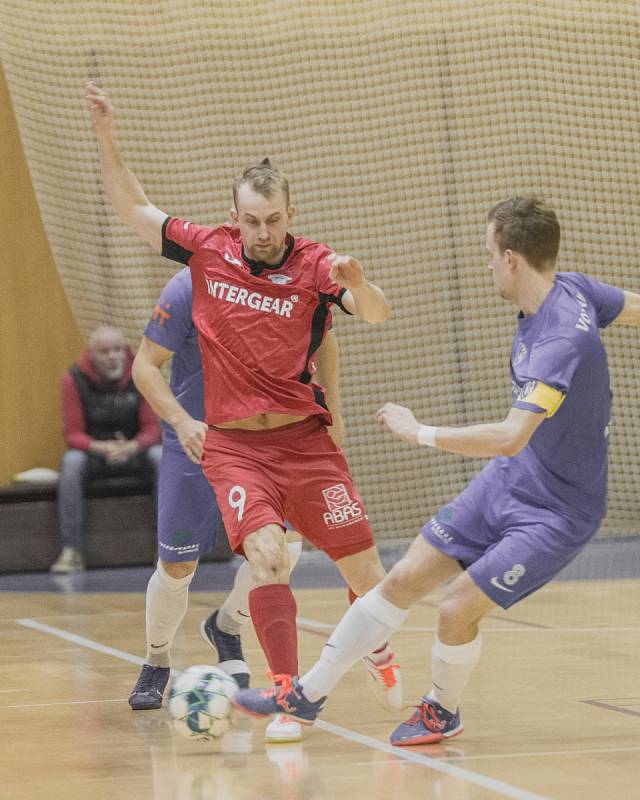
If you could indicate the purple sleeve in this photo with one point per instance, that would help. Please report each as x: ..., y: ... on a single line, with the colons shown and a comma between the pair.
x: 552, y: 365
x: 170, y: 322
x: 608, y: 300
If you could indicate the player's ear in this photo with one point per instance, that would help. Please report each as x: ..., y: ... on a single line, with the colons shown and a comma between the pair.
x: 291, y: 212
x: 233, y: 216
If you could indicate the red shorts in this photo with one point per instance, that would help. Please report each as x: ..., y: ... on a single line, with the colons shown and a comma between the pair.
x: 296, y: 473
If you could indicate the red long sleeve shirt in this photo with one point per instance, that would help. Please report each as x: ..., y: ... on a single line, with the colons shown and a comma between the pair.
x: 74, y: 428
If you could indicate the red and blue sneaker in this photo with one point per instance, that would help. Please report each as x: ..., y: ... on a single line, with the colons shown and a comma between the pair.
x: 286, y: 697
x: 431, y: 723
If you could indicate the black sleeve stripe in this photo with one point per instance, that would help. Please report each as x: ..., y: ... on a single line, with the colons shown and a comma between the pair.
x: 317, y: 332
x: 171, y: 250
x: 337, y: 299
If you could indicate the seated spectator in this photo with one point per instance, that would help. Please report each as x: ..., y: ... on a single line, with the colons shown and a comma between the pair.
x: 109, y: 428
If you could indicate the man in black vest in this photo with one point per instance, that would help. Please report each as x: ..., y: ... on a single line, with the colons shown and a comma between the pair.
x: 110, y: 429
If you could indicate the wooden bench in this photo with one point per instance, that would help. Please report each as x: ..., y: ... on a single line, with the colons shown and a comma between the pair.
x: 120, y: 526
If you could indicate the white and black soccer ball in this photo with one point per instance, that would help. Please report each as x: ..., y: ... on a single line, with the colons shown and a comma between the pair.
x: 199, y: 702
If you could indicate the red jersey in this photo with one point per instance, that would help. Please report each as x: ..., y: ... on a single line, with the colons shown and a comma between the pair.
x: 259, y: 326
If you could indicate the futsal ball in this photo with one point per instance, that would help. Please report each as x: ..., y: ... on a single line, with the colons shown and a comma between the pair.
x: 199, y: 702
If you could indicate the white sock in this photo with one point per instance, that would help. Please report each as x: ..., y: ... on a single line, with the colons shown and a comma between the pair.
x: 167, y: 600
x: 294, y: 548
x: 234, y: 612
x: 369, y: 621
x: 451, y: 666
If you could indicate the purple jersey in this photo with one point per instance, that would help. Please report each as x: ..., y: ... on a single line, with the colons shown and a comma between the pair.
x: 559, y: 367
x: 171, y: 326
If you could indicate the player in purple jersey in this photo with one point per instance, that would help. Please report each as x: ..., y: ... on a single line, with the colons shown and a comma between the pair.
x: 531, y: 509
x: 188, y: 515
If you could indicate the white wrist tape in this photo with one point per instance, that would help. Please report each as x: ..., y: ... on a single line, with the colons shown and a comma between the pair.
x: 427, y: 435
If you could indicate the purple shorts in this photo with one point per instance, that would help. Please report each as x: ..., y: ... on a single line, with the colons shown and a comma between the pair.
x: 509, y: 546
x: 188, y: 515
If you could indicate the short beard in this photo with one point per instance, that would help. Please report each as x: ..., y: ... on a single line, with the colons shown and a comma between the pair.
x: 114, y: 374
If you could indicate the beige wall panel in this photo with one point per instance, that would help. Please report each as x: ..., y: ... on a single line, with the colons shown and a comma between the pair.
x: 39, y: 336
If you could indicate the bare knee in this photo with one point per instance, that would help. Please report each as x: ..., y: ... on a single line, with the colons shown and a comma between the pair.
x: 404, y: 584
x: 459, y: 615
x: 266, y: 552
x: 179, y: 569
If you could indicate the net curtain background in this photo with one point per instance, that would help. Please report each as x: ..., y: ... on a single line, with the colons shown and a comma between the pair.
x: 399, y: 125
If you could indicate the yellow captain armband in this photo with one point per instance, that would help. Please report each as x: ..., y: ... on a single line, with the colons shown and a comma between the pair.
x: 546, y: 397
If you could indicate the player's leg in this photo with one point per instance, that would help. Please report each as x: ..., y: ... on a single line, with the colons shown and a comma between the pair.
x: 362, y: 571
x: 245, y: 470
x: 374, y: 617
x: 329, y: 511
x: 271, y: 603
x: 166, y: 605
x: 221, y: 630
x: 530, y: 545
x: 370, y: 619
x: 233, y: 614
x: 187, y: 516
x: 454, y: 655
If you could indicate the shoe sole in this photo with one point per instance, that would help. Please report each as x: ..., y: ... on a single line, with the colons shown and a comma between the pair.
x: 288, y: 740
x: 146, y: 708
x: 433, y: 738
x: 246, y: 711
x: 65, y: 570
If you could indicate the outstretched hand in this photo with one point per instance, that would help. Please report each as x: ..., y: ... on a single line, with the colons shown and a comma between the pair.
x: 399, y: 420
x: 101, y: 109
x: 346, y: 271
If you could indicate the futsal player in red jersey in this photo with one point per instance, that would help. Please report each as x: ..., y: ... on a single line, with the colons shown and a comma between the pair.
x: 262, y: 305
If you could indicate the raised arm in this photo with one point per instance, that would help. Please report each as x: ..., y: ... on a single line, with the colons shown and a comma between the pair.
x: 362, y: 298
x: 630, y: 314
x: 125, y: 193
x: 154, y: 388
x: 506, y: 438
x: 329, y: 377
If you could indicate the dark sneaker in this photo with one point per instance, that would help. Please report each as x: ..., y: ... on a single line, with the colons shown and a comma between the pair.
x: 149, y: 689
x: 286, y: 697
x: 430, y: 723
x: 229, y: 649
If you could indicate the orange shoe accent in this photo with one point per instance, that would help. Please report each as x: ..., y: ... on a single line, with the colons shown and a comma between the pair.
x: 387, y: 672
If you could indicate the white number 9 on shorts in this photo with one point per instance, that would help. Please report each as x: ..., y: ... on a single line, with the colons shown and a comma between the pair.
x: 237, y: 499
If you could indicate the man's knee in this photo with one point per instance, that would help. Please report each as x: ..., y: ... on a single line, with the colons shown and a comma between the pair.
x: 179, y: 569
x: 74, y: 462
x: 461, y: 608
x: 266, y: 552
x: 403, y: 584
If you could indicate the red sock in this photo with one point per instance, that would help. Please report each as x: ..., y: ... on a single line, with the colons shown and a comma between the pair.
x: 273, y: 613
x: 352, y: 599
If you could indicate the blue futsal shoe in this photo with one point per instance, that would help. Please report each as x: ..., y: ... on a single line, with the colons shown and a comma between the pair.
x: 429, y: 724
x: 286, y: 697
x: 149, y: 689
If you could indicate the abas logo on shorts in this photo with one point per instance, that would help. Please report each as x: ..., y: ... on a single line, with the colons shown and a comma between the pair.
x: 342, y: 509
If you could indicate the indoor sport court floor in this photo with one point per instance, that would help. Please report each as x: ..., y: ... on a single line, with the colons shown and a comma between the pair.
x: 552, y: 711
